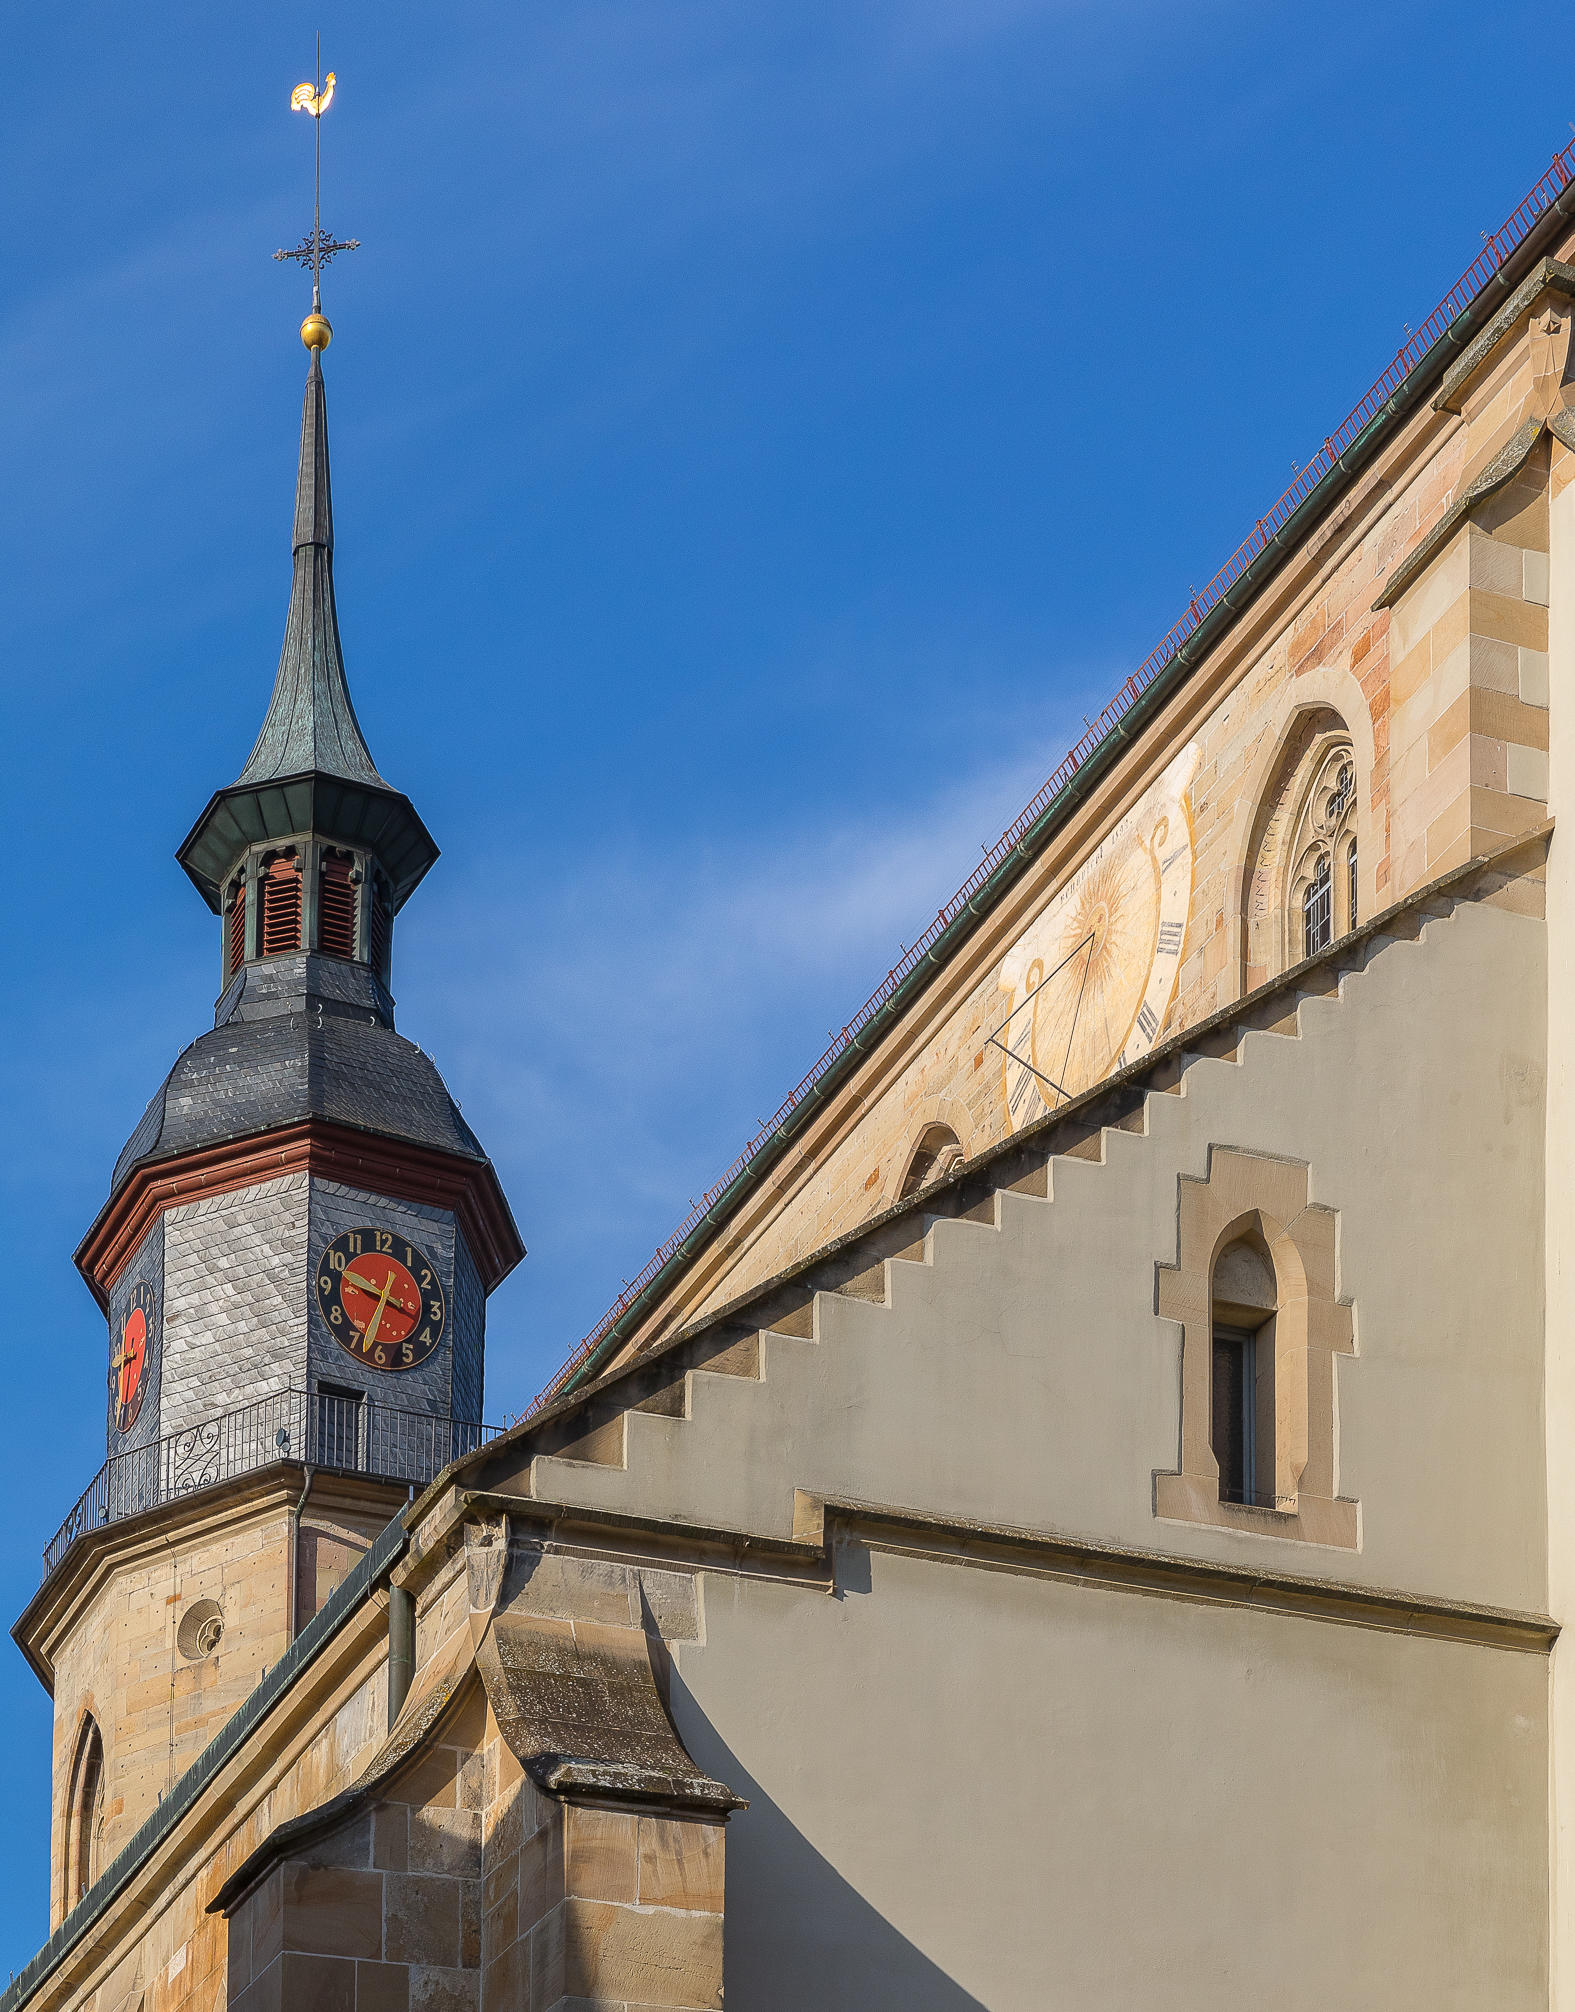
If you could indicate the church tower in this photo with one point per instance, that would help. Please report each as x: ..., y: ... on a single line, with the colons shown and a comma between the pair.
x: 294, y: 1257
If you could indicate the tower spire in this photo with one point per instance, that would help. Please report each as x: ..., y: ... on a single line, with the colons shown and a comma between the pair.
x: 310, y: 805
x: 311, y: 723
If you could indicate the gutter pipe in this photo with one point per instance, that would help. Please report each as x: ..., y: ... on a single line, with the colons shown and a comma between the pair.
x: 1253, y: 576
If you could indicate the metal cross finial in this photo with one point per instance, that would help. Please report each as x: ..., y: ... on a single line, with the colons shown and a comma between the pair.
x: 315, y: 249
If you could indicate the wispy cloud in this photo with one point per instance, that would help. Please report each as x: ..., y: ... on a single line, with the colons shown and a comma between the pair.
x: 618, y: 1036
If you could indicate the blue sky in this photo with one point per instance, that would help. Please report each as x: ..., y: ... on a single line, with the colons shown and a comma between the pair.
x: 761, y: 433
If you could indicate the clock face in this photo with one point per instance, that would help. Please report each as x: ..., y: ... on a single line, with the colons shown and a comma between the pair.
x: 381, y: 1298
x: 1092, y: 979
x: 128, y: 1357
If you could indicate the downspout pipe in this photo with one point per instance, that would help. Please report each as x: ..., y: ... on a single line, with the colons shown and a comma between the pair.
x: 401, y: 1648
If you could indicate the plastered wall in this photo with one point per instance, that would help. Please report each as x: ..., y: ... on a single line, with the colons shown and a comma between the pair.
x: 977, y: 1790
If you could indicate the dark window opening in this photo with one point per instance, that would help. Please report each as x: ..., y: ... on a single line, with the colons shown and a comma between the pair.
x: 337, y: 1426
x: 279, y: 888
x: 336, y: 896
x: 1318, y: 911
x: 235, y: 929
x: 1233, y: 1425
x: 1350, y: 883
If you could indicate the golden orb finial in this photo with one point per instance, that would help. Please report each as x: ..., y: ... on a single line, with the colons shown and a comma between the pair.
x: 316, y: 331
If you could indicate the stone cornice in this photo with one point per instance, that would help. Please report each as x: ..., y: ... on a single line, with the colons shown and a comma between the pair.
x: 206, y: 1513
x: 383, y: 1166
x: 1549, y: 275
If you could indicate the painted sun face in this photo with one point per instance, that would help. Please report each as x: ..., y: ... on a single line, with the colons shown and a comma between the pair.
x: 1092, y: 980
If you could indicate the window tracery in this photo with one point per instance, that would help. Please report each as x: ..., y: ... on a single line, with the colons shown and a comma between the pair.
x: 1321, y: 904
x: 1300, y: 883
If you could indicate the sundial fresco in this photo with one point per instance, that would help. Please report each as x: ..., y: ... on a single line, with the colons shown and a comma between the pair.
x: 1087, y: 986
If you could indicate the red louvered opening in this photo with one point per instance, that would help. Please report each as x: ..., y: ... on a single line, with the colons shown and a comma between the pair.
x: 382, y: 923
x: 280, y: 888
x: 336, y: 906
x: 236, y: 929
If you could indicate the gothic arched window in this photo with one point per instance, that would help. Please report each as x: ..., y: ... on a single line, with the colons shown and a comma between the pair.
x: 84, y: 1808
x: 1319, y: 906
x: 1300, y: 891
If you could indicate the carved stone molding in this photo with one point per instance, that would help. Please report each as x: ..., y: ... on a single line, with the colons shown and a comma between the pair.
x: 1250, y: 1195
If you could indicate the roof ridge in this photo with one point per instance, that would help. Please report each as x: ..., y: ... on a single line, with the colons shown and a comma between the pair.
x: 1340, y: 457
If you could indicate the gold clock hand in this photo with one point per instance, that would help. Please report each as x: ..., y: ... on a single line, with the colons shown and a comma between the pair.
x: 371, y: 1326
x: 365, y: 1285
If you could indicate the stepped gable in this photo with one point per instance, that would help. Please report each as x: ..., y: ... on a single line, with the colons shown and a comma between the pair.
x: 587, y: 1424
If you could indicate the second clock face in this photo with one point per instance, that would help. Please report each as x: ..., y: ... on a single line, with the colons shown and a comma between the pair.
x: 381, y: 1298
x: 128, y: 1360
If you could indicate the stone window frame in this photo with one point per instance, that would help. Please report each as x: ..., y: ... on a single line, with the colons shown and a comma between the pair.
x: 1247, y: 1195
x: 936, y: 1152
x: 84, y: 1812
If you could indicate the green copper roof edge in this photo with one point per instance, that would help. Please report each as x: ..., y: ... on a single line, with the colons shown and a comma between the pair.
x: 1254, y: 576
x: 352, y: 1594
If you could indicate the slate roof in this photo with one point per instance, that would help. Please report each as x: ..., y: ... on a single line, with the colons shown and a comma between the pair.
x: 311, y: 724
x: 253, y: 1076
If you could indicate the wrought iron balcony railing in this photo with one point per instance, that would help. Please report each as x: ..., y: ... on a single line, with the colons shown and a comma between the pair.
x: 349, y: 1435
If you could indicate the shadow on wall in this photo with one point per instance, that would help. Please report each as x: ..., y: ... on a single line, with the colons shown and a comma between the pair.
x: 797, y: 1933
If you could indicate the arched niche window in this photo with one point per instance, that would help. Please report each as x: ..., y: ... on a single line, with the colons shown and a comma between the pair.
x: 1241, y: 1397
x: 84, y: 1810
x: 938, y: 1151
x: 279, y: 897
x: 1301, y: 882
x: 338, y: 884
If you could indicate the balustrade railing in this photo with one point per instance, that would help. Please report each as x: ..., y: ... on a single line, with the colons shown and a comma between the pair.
x: 350, y: 1435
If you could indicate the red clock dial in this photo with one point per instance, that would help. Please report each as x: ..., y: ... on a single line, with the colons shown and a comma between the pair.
x: 128, y: 1359
x: 381, y: 1298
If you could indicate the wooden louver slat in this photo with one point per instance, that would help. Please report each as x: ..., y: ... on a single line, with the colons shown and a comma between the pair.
x: 381, y: 929
x: 280, y: 888
x: 236, y: 939
x: 336, y: 906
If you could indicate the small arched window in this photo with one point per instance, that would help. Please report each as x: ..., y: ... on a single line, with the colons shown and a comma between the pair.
x: 1350, y: 885
x: 937, y: 1152
x: 337, y: 881
x: 84, y: 1810
x: 279, y: 891
x: 1241, y: 1408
